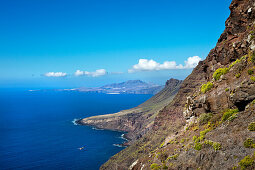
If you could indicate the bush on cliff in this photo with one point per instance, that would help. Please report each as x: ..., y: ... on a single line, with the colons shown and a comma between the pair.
x: 206, y: 87
x: 155, y: 166
x: 246, y: 162
x: 204, y: 118
x: 249, y: 143
x: 228, y: 114
x: 219, y: 72
x: 251, y: 126
x: 250, y: 72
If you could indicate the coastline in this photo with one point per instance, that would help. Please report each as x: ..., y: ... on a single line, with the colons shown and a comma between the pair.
x: 123, y: 135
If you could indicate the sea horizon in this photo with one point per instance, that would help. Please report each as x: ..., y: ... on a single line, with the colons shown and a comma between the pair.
x: 38, y: 129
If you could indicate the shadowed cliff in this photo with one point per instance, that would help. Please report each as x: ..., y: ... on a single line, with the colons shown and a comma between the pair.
x: 136, y: 121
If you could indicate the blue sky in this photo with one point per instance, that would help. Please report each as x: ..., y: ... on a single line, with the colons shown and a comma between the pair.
x: 42, y: 36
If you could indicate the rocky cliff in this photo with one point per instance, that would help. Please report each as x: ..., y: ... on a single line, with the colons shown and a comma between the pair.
x: 210, y: 123
x: 136, y: 121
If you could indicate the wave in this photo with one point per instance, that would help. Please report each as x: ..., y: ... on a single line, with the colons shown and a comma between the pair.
x: 122, y: 137
x: 94, y: 128
x: 74, y: 121
x: 119, y: 145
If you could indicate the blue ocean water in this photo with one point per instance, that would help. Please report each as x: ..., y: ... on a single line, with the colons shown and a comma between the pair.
x: 36, y: 129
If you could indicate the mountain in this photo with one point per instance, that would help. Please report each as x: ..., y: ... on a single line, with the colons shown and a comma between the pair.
x: 136, y: 121
x: 210, y: 123
x: 128, y: 87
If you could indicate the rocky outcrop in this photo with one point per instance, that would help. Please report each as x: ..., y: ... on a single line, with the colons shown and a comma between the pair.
x: 136, y: 121
x: 178, y: 139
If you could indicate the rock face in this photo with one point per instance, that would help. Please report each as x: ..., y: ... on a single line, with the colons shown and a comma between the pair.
x: 179, y: 138
x: 139, y: 120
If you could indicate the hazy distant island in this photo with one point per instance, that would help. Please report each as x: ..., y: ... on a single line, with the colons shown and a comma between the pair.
x: 127, y: 87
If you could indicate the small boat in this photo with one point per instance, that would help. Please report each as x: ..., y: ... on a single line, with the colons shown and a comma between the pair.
x: 81, y: 148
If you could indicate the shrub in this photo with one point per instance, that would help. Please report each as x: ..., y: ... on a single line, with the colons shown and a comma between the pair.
x: 155, y: 166
x: 206, y: 87
x: 194, y: 138
x: 182, y: 141
x: 227, y: 89
x: 203, y: 133
x: 251, y: 126
x: 227, y: 114
x: 234, y: 63
x: 238, y: 75
x: 208, y: 142
x: 246, y: 162
x: 198, y: 146
x: 232, y: 117
x: 219, y: 72
x: 164, y: 166
x: 250, y: 72
x: 253, y: 102
x: 204, y: 118
x: 253, y: 57
x: 173, y: 157
x: 216, y: 146
x: 249, y: 143
x: 162, y: 144
x: 253, y: 78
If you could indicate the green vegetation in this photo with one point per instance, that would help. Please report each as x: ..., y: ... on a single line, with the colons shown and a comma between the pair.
x: 173, y: 157
x: 253, y: 78
x: 238, y: 75
x: 164, y: 166
x: 162, y: 144
x: 228, y: 114
x: 216, y: 145
x: 227, y: 89
x: 253, y: 57
x: 198, y: 146
x: 250, y: 72
x: 234, y: 63
x: 249, y: 143
x: 251, y: 126
x: 198, y: 141
x: 155, y: 166
x: 219, y: 72
x: 206, y: 87
x: 204, y: 118
x: 246, y: 162
x: 203, y: 133
x: 253, y: 102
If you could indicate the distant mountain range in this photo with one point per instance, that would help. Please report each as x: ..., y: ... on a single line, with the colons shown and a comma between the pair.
x: 127, y: 87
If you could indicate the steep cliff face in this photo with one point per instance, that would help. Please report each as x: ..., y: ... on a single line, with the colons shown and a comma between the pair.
x: 136, y: 121
x: 208, y: 124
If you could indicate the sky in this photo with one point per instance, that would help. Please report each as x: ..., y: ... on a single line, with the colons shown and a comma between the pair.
x: 89, y: 43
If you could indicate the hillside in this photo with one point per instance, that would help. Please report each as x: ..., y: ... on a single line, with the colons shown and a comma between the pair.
x: 136, y: 121
x: 210, y: 122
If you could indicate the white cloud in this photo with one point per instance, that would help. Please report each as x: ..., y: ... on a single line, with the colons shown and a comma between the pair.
x: 97, y: 73
x: 151, y: 65
x: 79, y: 73
x: 192, y: 62
x: 55, y: 74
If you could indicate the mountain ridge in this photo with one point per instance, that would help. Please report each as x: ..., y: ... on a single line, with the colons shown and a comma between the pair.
x: 136, y: 121
x: 127, y: 87
x: 219, y: 92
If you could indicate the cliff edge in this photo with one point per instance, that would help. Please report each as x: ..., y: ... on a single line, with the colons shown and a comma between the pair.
x: 210, y: 123
x: 139, y: 120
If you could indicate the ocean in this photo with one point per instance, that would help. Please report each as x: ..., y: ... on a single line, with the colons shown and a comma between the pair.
x: 37, y: 129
